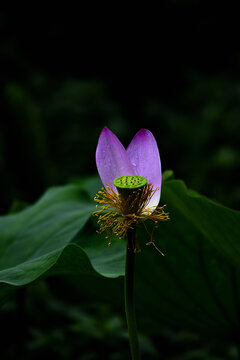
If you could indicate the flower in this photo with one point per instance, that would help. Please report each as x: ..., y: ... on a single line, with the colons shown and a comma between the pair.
x: 132, y: 179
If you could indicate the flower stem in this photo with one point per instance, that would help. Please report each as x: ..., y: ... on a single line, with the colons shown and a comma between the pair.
x: 129, y: 295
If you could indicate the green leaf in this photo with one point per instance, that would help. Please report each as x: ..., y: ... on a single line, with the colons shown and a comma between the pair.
x: 219, y: 224
x: 32, y: 240
x: 35, y: 240
x: 195, y: 286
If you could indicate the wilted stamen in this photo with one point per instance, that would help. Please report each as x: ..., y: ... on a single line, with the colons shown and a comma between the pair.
x: 117, y: 213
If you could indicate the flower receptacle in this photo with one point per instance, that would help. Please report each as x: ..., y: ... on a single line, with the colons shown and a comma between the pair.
x: 130, y: 188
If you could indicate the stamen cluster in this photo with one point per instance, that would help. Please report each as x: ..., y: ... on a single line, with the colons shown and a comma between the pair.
x: 117, y: 213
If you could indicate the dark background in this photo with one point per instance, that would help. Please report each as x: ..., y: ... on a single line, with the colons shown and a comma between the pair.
x: 67, y: 73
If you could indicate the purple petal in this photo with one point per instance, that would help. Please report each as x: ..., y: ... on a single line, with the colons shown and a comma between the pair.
x: 111, y: 158
x: 144, y: 156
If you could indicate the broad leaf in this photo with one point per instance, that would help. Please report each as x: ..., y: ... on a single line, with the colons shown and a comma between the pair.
x: 195, y: 286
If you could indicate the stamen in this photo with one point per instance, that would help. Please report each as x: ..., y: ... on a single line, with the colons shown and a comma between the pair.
x: 117, y: 213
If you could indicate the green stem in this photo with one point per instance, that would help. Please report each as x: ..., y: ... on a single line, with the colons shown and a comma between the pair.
x: 129, y: 295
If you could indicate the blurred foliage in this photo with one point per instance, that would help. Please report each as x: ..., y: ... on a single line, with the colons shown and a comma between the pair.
x: 55, y: 131
x: 71, y: 325
x: 58, y: 93
x: 202, y: 128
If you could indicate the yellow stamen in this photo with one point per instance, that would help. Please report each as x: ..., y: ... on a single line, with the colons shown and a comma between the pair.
x: 117, y: 214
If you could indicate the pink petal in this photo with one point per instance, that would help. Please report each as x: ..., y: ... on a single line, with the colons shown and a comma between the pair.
x: 111, y: 158
x: 144, y: 156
